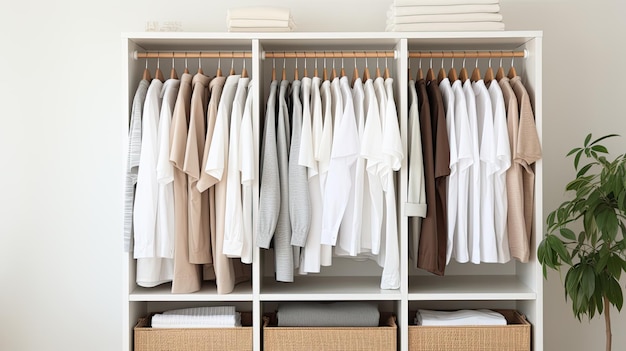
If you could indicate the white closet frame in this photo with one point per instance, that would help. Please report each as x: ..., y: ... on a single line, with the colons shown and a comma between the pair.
x: 513, y: 285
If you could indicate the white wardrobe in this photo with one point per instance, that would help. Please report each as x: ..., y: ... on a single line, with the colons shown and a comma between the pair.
x: 513, y: 285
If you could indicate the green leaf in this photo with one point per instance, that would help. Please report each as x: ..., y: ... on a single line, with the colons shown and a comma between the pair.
x: 557, y: 245
x: 577, y: 159
x: 600, y: 148
x: 602, y: 262
x: 572, y: 151
x: 587, y: 140
x: 614, y: 293
x: 614, y: 266
x: 588, y: 281
x: 568, y: 234
x: 602, y: 138
x: 584, y: 170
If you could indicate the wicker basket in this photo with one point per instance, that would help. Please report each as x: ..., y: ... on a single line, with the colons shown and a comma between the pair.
x: 512, y: 337
x: 201, y: 339
x: 381, y: 338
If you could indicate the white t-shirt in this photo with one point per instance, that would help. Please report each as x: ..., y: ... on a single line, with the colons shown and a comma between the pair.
x: 486, y: 135
x: 474, y: 234
x: 322, y: 156
x: 248, y: 165
x: 503, y: 161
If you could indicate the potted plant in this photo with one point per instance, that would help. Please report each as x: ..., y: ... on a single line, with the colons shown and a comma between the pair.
x: 596, y: 256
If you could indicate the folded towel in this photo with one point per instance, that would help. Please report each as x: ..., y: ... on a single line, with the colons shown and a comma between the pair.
x: 260, y: 12
x: 198, y: 317
x: 261, y: 23
x: 443, y: 2
x: 441, y: 10
x: 260, y: 29
x: 445, y: 27
x: 455, y: 17
x: 336, y: 314
x: 457, y: 318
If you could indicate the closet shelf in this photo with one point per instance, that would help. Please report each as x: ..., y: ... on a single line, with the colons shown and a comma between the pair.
x: 327, y: 289
x: 208, y: 292
x: 452, y: 288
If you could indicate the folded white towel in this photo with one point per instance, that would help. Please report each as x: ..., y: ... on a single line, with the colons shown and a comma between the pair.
x: 198, y: 317
x: 461, y: 317
x: 455, y: 17
x: 445, y: 27
x: 259, y: 29
x: 204, y: 311
x: 443, y: 2
x: 441, y: 10
x: 261, y: 23
x: 260, y: 12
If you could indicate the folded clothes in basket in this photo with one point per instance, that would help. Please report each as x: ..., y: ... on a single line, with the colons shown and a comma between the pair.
x: 459, y: 318
x: 335, y: 314
x: 198, y: 317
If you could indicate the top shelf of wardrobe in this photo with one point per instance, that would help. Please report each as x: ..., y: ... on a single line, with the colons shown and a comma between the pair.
x: 504, y: 40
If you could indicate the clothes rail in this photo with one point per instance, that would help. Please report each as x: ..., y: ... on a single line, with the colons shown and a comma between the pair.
x: 329, y: 54
x: 192, y: 54
x: 468, y: 54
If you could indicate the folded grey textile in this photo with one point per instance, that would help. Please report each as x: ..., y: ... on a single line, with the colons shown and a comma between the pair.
x: 445, y: 27
x: 459, y: 318
x: 441, y: 10
x: 335, y: 314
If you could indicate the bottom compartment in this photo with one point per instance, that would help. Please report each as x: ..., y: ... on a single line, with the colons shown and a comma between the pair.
x: 381, y: 338
x: 515, y: 336
x: 200, y: 339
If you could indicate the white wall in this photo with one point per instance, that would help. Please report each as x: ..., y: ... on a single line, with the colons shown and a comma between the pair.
x: 61, y: 138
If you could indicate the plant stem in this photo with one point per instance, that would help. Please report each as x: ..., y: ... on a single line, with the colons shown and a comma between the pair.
x: 607, y: 322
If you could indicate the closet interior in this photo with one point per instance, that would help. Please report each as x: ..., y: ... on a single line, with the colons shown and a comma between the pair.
x: 292, y: 56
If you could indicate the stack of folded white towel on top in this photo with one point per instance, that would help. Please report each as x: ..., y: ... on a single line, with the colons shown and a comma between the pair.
x: 444, y: 15
x: 260, y: 19
x: 198, y: 317
x: 458, y: 318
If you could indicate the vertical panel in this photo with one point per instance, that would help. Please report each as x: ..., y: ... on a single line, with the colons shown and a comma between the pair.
x: 256, y: 267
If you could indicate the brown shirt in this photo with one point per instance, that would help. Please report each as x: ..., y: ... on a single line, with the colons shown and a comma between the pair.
x: 186, y: 275
x: 199, y: 233
x: 433, y: 238
x: 528, y: 151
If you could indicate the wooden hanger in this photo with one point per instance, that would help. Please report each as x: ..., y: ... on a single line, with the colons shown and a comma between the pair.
x: 430, y: 75
x: 463, y: 74
x: 273, y: 69
x: 333, y: 72
x: 146, y: 73
x: 420, y: 73
x: 283, y: 75
x: 355, y: 73
x: 386, y: 72
x: 489, y: 74
x: 324, y: 71
x: 342, y: 72
x: 296, y: 75
x: 512, y: 73
x: 366, y: 72
x: 186, y: 71
x: 200, y: 66
x: 442, y: 73
x: 500, y: 73
x: 476, y: 73
x: 452, y: 76
x: 305, y: 73
x: 315, y: 74
x: 232, y: 66
x: 158, y: 74
x: 218, y: 72
x: 173, y: 74
x: 244, y: 71
x: 377, y: 69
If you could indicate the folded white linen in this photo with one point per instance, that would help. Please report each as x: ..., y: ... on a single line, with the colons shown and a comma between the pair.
x: 261, y: 23
x: 259, y: 12
x: 259, y: 29
x: 460, y: 317
x: 198, y: 317
x: 445, y: 27
x: 442, y: 2
x: 455, y: 17
x: 441, y: 10
x: 336, y: 314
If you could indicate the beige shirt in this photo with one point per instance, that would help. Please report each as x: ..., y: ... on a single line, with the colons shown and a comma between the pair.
x: 199, y: 233
x: 527, y: 152
x: 186, y: 275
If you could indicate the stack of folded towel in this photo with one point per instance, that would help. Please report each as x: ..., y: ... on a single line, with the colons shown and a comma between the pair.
x: 444, y: 15
x: 260, y: 19
x: 198, y: 317
x: 458, y: 318
x: 335, y: 314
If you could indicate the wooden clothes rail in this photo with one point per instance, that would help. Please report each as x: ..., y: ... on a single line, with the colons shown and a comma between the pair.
x: 468, y: 54
x: 265, y: 54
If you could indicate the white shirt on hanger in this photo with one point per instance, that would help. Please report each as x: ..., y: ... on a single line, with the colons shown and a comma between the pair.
x: 322, y: 155
x: 503, y: 159
x: 474, y: 234
x: 248, y: 165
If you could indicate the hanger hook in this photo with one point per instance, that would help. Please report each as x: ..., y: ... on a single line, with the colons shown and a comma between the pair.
x: 354, y: 59
x: 324, y: 59
x: 512, y: 60
x: 501, y: 54
x: 232, y: 60
x: 146, y: 63
x: 420, y: 64
x: 315, y: 62
x: 304, y: 61
x: 476, y: 66
x: 377, y: 59
x: 464, y: 57
x: 158, y: 61
x: 442, y: 62
x: 199, y: 62
x: 385, y: 61
x: 244, y: 62
x: 219, y: 60
x: 452, y: 64
x: 274, y: 62
x: 489, y: 60
x: 284, y: 62
x: 333, y: 63
x: 172, y: 59
x: 185, y: 59
x: 366, y: 62
x: 296, y: 62
x: 341, y: 61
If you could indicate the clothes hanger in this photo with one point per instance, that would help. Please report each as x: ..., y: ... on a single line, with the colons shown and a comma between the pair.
x: 200, y: 71
x: 355, y: 72
x: 273, y: 69
x: 333, y: 73
x: 463, y: 75
x: 377, y: 68
x: 232, y: 65
x: 173, y: 74
x: 489, y: 73
x: 452, y: 73
x: 186, y: 71
x: 146, y: 73
x: 442, y: 73
x: 218, y: 72
x: 343, y: 71
x: 420, y: 73
x: 283, y: 75
x: 366, y: 72
x: 476, y: 73
x: 296, y: 75
x: 430, y: 75
x: 244, y: 71
x: 315, y: 68
x: 386, y: 72
x: 324, y: 71
x: 306, y: 73
x: 500, y: 73
x: 159, y: 75
x: 512, y: 73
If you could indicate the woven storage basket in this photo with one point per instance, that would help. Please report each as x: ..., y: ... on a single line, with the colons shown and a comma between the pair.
x: 381, y: 338
x: 200, y: 339
x: 512, y: 337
